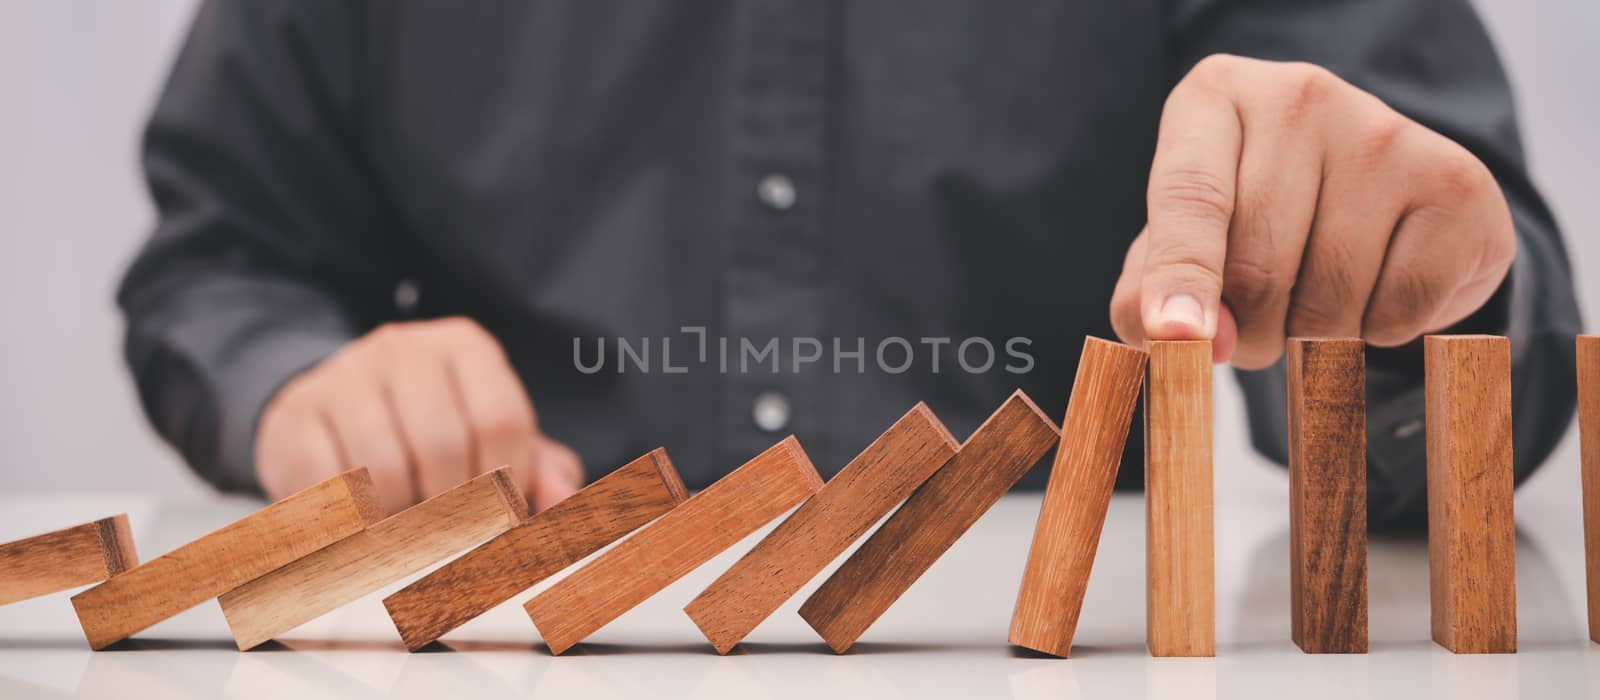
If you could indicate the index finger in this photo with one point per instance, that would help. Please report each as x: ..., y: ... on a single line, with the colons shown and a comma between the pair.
x: 1191, y: 204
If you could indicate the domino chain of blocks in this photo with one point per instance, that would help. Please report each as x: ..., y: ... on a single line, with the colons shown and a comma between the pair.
x: 330, y: 544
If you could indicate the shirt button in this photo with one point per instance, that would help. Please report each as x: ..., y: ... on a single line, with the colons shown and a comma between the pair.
x: 776, y: 191
x: 771, y: 411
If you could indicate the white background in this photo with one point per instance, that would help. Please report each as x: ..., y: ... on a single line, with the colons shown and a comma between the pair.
x: 78, y: 79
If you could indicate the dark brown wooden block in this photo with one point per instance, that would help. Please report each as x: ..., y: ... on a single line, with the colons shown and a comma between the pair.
x: 66, y: 558
x: 1180, y: 597
x: 859, y: 495
x: 1328, y: 494
x: 1093, y: 435
x: 988, y: 464
x: 1471, y: 536
x: 546, y: 543
x: 672, y: 546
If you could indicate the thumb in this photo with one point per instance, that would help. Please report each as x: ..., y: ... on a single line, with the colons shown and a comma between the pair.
x: 556, y: 474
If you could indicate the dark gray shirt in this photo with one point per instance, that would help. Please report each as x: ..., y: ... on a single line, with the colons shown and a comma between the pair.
x: 885, y: 173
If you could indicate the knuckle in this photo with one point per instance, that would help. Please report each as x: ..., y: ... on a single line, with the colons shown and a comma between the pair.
x: 1320, y: 315
x: 1193, y: 194
x: 1462, y: 176
x: 1180, y: 258
x: 503, y: 423
x: 1250, y: 282
x: 1216, y: 68
x: 1380, y: 138
x: 1305, y: 86
x: 1402, y: 306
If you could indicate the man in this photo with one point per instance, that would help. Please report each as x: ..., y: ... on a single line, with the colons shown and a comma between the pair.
x: 388, y: 231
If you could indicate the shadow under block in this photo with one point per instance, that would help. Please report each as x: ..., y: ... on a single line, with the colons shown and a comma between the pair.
x: 66, y: 558
x: 1180, y: 579
x: 1589, y: 436
x: 402, y: 544
x: 675, y: 544
x: 1328, y: 494
x: 1471, y: 536
x: 1094, y: 433
x: 988, y: 464
x: 615, y: 505
x: 228, y: 558
x: 864, y: 491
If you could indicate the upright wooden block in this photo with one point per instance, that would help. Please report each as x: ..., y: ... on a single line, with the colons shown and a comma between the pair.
x: 1093, y: 435
x: 1328, y: 494
x: 1180, y: 599
x: 667, y: 549
x: 1471, y: 537
x: 402, y: 544
x: 1589, y: 438
x: 550, y: 541
x: 859, y: 495
x: 997, y: 454
x: 68, y: 558
x: 227, y: 558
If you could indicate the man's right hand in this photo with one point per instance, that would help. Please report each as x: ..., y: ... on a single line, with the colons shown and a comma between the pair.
x: 424, y: 406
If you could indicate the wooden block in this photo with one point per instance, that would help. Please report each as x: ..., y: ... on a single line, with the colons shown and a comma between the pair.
x: 1180, y: 598
x: 866, y: 489
x: 1471, y: 538
x: 1328, y: 494
x: 672, y: 546
x: 989, y: 463
x: 1589, y: 439
x: 550, y: 541
x: 1093, y: 435
x: 227, y: 558
x: 402, y: 544
x: 68, y: 558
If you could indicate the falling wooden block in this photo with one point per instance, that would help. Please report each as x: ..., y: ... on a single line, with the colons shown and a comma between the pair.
x: 1471, y: 537
x: 1180, y: 604
x: 1093, y: 435
x: 550, y: 541
x: 989, y: 463
x: 859, y: 495
x: 227, y: 558
x: 672, y: 546
x: 1589, y: 439
x: 402, y: 544
x: 1328, y: 494
x: 68, y: 558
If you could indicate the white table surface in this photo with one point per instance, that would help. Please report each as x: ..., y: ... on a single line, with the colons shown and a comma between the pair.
x: 945, y: 637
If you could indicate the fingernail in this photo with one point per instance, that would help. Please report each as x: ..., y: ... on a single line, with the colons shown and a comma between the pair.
x: 1183, y: 309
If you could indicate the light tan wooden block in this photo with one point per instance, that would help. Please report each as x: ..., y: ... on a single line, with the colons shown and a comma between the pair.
x: 672, y: 546
x: 546, y: 543
x: 1471, y: 537
x: 227, y: 558
x: 1328, y: 494
x: 1589, y: 437
x: 864, y: 491
x: 988, y: 464
x: 402, y: 544
x: 67, y: 558
x: 1093, y: 435
x: 1180, y: 581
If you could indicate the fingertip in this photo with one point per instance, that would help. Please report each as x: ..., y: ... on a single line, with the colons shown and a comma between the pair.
x: 1179, y: 316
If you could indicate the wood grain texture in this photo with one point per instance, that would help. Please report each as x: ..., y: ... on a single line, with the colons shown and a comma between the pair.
x: 402, y: 544
x: 1589, y: 439
x: 672, y: 546
x: 1093, y: 435
x: 1328, y: 494
x: 1471, y: 536
x: 988, y: 464
x: 66, y: 558
x: 615, y: 505
x: 1180, y: 580
x: 227, y: 558
x: 864, y: 491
